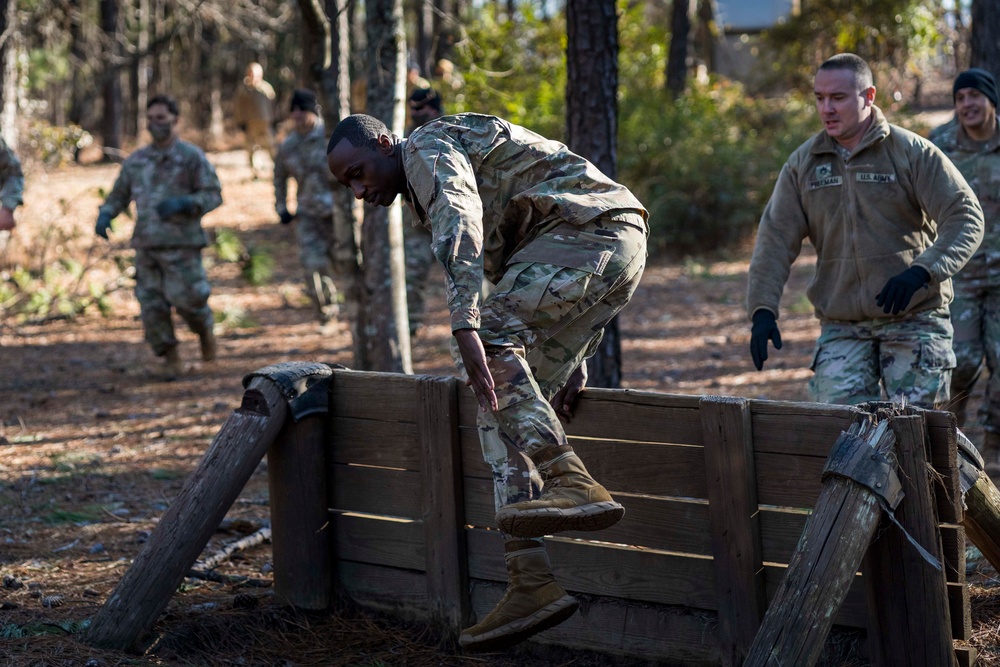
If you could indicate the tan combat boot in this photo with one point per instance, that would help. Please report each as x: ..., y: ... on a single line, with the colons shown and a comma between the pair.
x: 571, y: 499
x: 209, y: 348
x: 533, y: 601
x: 172, y: 365
x: 991, y: 455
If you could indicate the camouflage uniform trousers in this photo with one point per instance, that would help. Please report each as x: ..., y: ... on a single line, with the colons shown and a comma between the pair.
x: 171, y: 277
x: 315, y: 237
x: 975, y: 315
x: 539, y: 324
x: 419, y: 259
x: 910, y: 358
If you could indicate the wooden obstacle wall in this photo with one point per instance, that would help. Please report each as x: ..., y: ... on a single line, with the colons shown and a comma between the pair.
x: 717, y: 491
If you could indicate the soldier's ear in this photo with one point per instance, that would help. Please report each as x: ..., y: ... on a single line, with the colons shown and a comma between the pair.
x: 385, y: 144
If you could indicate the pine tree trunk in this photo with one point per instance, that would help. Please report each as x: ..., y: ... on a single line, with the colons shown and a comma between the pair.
x: 986, y: 35
x: 592, y: 127
x: 111, y: 125
x: 385, y: 344
x: 680, y: 28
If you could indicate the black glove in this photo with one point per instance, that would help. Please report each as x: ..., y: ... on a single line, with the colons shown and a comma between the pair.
x: 286, y: 217
x: 242, y: 126
x: 896, y: 294
x: 103, y: 225
x: 764, y: 329
x: 172, y: 206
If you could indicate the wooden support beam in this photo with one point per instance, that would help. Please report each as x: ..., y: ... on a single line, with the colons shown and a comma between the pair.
x: 832, y: 546
x: 735, y: 523
x: 302, y: 535
x: 909, y: 617
x: 443, y: 504
x: 181, y: 535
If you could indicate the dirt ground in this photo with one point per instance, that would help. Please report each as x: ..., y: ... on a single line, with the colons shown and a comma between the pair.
x: 94, y: 444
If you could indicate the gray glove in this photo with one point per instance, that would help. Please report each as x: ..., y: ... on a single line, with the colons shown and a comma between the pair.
x: 103, y: 225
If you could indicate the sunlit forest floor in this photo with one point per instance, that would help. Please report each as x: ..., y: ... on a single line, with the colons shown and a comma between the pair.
x: 94, y: 445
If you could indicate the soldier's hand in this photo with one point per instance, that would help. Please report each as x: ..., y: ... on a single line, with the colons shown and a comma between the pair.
x: 564, y: 402
x: 103, y: 225
x: 764, y: 329
x: 286, y: 217
x: 171, y: 206
x: 474, y: 359
x: 898, y: 291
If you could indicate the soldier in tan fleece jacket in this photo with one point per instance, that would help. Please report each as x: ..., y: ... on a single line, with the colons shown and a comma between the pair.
x: 891, y: 220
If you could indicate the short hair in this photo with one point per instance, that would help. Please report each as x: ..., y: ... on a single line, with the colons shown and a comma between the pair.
x: 360, y: 129
x: 166, y: 101
x: 852, y: 63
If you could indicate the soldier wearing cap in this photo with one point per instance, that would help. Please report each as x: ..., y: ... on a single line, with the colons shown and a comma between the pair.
x: 972, y: 141
x: 302, y: 156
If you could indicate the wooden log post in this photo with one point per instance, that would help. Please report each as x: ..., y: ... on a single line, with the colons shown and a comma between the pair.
x: 981, y: 518
x: 181, y: 535
x: 735, y: 523
x: 860, y: 476
x: 443, y: 505
x: 909, y: 622
x: 302, y: 535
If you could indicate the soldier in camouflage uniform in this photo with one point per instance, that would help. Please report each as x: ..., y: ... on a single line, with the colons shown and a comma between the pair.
x: 424, y: 105
x: 566, y: 247
x: 255, y: 113
x: 11, y: 186
x: 302, y: 156
x: 173, y: 185
x: 891, y: 220
x: 972, y: 141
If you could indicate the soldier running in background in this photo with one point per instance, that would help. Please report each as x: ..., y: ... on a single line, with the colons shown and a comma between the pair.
x: 972, y: 141
x: 255, y: 113
x: 173, y: 185
x: 302, y: 156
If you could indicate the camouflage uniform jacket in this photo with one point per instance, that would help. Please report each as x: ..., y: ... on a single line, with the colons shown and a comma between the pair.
x: 486, y: 188
x: 870, y: 217
x: 303, y: 157
x: 151, y: 175
x: 980, y: 164
x: 11, y: 178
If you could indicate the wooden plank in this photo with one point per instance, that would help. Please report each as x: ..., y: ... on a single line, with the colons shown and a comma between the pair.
x: 376, y: 491
x: 953, y: 550
x: 392, y: 590
x: 961, y: 612
x: 785, y: 480
x: 654, y: 469
x: 443, y: 515
x: 379, y: 541
x: 942, y: 442
x: 735, y: 525
x: 909, y: 617
x: 966, y: 655
x: 372, y: 395
x: 780, y: 530
x: 807, y: 429
x: 191, y: 520
x: 666, y: 634
x: 650, y: 417
x: 599, y: 569
x: 376, y: 443
x: 300, y: 528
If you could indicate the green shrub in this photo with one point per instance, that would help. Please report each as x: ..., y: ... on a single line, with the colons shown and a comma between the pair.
x: 705, y: 164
